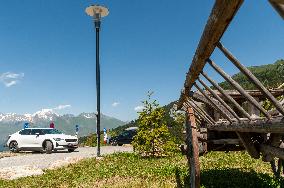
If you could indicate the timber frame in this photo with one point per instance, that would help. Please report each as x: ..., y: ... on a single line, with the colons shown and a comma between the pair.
x: 227, y: 120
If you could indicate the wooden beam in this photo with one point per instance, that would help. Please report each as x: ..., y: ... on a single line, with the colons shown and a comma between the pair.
x: 262, y: 125
x: 219, y: 99
x: 205, y: 116
x: 274, y: 141
x: 199, y: 107
x: 223, y: 93
x: 198, y: 96
x: 252, y: 110
x: 221, y: 15
x: 193, y: 149
x: 251, y: 77
x: 278, y: 5
x: 216, y: 107
x: 274, y: 151
x: 254, y: 93
x: 218, y: 21
x: 225, y: 141
x: 248, y: 144
x: 238, y: 87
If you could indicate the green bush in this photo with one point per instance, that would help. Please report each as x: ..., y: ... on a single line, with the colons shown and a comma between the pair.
x: 153, y: 137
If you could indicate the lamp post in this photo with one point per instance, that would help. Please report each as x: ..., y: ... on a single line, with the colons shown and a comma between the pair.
x: 97, y: 12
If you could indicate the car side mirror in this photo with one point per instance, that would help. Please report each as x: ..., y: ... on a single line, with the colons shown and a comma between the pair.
x: 37, y: 134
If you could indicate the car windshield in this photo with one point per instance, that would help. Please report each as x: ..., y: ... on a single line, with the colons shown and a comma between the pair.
x: 51, y: 131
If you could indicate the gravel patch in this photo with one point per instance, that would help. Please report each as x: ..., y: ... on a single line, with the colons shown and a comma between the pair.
x: 33, y: 163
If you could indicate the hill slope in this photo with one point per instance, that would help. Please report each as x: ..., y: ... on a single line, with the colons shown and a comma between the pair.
x: 271, y: 75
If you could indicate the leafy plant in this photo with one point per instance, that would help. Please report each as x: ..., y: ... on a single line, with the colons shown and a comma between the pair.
x: 153, y: 137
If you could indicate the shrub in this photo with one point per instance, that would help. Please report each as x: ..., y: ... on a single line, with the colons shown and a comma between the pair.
x: 153, y: 137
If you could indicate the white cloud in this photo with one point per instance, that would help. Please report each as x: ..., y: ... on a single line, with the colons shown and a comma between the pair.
x: 9, y: 79
x: 9, y: 84
x: 139, y: 108
x: 115, y: 104
x: 61, y: 107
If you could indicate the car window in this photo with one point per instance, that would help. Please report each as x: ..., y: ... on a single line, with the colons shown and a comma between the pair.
x: 35, y: 131
x: 51, y: 131
x: 25, y: 132
x: 125, y: 134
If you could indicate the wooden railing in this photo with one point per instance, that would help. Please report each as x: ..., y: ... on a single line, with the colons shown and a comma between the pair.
x: 258, y: 130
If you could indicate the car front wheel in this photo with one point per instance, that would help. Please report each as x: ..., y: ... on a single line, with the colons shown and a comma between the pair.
x: 13, y: 147
x: 48, y: 147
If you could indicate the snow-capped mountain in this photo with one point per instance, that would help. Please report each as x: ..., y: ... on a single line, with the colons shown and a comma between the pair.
x: 44, y: 114
x: 12, y: 122
x: 88, y: 115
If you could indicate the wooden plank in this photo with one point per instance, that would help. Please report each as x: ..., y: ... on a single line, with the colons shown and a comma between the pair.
x: 221, y: 15
x: 193, y: 149
x: 275, y: 125
x: 225, y: 141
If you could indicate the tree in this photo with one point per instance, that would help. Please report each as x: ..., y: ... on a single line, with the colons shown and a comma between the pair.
x: 153, y: 137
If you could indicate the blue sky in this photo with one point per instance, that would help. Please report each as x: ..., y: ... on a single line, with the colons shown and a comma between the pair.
x: 47, y: 51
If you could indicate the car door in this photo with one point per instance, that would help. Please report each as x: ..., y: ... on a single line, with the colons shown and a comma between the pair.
x: 125, y: 137
x: 38, y: 138
x: 25, y: 138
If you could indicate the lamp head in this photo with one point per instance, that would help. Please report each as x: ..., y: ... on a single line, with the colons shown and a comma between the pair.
x: 97, y: 11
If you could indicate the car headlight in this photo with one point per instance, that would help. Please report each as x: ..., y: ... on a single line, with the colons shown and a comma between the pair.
x: 57, y: 139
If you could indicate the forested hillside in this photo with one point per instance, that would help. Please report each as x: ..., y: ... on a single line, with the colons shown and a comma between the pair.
x: 271, y: 75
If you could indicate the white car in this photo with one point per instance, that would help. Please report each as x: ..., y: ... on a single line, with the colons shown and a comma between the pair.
x: 41, y: 139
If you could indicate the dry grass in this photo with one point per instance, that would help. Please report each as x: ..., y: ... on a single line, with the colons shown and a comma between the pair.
x: 9, y: 154
x: 218, y: 169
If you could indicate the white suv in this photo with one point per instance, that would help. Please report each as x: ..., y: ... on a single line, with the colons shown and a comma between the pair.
x: 41, y: 139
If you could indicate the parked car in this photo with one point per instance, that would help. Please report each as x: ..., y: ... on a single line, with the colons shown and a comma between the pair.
x: 125, y: 137
x: 41, y: 139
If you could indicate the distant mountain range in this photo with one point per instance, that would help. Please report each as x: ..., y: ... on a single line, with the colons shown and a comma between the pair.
x: 11, y: 122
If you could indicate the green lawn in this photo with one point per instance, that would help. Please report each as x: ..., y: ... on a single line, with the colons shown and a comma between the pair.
x: 218, y: 169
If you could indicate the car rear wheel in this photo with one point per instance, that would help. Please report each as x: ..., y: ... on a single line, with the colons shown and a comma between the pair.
x: 48, y: 147
x: 113, y: 143
x: 71, y: 150
x: 13, y: 147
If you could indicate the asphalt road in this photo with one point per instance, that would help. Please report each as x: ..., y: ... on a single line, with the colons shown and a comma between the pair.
x: 33, y: 163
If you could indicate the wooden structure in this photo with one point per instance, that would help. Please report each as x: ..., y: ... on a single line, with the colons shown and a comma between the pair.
x: 234, y: 119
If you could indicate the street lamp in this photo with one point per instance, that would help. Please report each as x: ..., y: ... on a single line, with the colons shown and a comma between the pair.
x: 97, y: 12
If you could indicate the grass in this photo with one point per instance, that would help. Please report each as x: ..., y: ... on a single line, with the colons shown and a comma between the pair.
x: 218, y: 169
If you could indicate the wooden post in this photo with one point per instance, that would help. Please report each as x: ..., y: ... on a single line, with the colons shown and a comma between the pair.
x: 252, y: 110
x: 193, y: 149
x: 246, y: 137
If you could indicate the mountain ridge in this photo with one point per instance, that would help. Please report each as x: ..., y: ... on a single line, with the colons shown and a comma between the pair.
x: 12, y: 122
